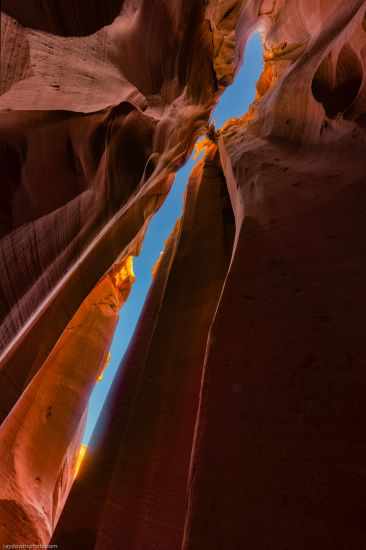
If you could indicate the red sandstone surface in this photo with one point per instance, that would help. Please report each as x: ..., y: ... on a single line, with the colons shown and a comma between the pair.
x: 236, y: 418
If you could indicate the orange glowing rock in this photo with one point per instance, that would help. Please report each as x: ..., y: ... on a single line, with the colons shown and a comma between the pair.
x: 124, y: 274
x: 52, y: 409
x: 204, y: 145
x: 107, y: 361
x: 80, y: 458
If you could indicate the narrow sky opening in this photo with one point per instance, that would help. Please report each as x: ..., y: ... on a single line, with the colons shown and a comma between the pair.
x: 233, y: 103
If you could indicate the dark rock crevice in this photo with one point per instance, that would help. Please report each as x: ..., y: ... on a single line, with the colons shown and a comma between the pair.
x: 338, y: 91
x: 63, y: 17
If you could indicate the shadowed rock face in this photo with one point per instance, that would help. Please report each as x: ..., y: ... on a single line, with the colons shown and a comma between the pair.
x: 81, y: 185
x: 279, y: 452
x: 236, y: 418
x: 63, y: 17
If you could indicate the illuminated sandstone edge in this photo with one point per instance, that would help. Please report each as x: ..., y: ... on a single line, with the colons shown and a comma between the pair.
x: 40, y: 453
x: 80, y: 458
x: 106, y: 363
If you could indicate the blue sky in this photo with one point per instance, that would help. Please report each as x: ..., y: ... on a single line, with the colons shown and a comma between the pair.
x: 233, y: 103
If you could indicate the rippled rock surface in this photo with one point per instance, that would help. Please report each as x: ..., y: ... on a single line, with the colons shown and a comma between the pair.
x: 236, y: 418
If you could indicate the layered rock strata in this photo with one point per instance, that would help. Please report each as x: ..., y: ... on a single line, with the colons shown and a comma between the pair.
x: 88, y: 150
x: 236, y: 417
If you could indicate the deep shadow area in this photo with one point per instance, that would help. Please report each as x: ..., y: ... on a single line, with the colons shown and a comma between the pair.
x: 336, y: 97
x: 63, y: 17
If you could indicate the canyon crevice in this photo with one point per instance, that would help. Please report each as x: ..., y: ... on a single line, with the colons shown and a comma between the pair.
x: 235, y: 418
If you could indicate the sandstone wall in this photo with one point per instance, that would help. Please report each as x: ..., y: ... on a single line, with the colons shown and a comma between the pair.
x: 236, y: 418
x: 136, y: 473
x: 40, y: 438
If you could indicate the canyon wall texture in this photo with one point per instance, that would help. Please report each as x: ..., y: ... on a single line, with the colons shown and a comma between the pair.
x: 135, y: 476
x: 235, y: 420
x: 88, y: 150
x: 40, y: 439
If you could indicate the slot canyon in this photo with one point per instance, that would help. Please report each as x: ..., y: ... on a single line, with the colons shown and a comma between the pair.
x: 234, y: 420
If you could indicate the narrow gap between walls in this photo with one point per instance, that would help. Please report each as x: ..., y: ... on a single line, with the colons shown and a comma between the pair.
x: 234, y: 102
